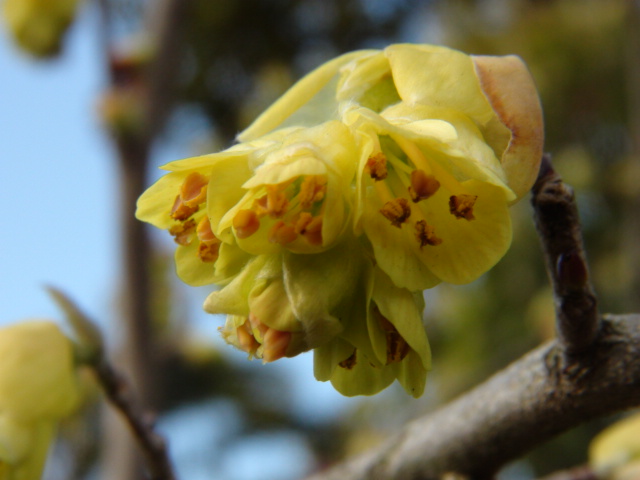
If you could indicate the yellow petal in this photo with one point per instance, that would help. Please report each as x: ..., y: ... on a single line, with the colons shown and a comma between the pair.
x: 300, y: 94
x: 361, y: 74
x: 193, y: 271
x: 270, y: 304
x: 154, y: 205
x: 399, y: 307
x: 224, y: 192
x: 233, y: 299
x: 439, y: 77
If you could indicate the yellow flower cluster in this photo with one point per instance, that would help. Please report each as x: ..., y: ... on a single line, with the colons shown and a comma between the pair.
x: 376, y: 176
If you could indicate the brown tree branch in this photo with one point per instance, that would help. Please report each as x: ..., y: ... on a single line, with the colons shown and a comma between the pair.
x: 153, y: 84
x: 556, y: 217
x: 152, y: 445
x: 539, y: 396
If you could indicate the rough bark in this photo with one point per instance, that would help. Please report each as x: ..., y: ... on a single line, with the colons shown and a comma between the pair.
x: 537, y: 397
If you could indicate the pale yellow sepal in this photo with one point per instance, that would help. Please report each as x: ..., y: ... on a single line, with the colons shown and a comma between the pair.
x: 510, y: 89
x: 300, y: 95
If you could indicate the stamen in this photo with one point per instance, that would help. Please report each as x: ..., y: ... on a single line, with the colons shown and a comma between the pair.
x: 397, y: 211
x: 260, y: 206
x: 275, y: 344
x: 205, y: 234
x: 461, y: 206
x: 277, y: 202
x: 180, y: 211
x: 194, y: 189
x: 377, y: 166
x: 397, y: 347
x: 209, y: 247
x: 426, y: 234
x: 257, y: 326
x: 422, y: 185
x: 312, y: 190
x: 282, y: 233
x: 246, y: 340
x: 349, y: 362
x: 182, y: 232
x: 246, y: 223
x: 310, y: 228
x: 208, y: 253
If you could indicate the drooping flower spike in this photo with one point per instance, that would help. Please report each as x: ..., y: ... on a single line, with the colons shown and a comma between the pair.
x: 378, y: 175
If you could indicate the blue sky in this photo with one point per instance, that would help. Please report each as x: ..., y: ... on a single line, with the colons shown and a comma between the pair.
x: 58, y: 182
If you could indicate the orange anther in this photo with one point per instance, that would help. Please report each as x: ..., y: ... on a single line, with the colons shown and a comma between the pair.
x: 275, y: 344
x: 397, y: 347
x: 312, y: 190
x: 310, y: 227
x: 397, y: 211
x: 422, y: 185
x: 205, y: 234
x: 350, y: 362
x: 209, y: 252
x: 246, y: 223
x: 246, y: 340
x: 180, y: 211
x: 377, y: 166
x: 182, y: 232
x: 194, y: 189
x: 461, y: 206
x: 426, y: 234
x: 277, y: 202
x: 282, y: 233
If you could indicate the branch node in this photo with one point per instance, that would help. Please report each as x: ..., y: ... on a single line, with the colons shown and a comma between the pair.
x: 558, y: 225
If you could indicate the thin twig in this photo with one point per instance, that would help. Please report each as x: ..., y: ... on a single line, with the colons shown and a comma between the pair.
x: 152, y: 445
x: 558, y: 226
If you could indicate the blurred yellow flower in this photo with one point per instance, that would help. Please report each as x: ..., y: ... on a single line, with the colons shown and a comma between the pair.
x: 38, y: 387
x: 614, y: 454
x: 38, y: 26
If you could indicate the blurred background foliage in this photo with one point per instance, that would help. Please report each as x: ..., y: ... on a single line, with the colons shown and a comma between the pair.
x: 239, y: 56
